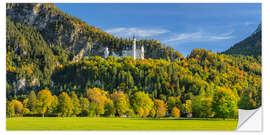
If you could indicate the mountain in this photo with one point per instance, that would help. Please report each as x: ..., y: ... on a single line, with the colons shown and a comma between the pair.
x: 48, y: 49
x: 76, y: 36
x: 251, y: 46
x: 40, y: 37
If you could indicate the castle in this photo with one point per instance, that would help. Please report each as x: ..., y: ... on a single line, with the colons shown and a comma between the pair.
x: 132, y: 52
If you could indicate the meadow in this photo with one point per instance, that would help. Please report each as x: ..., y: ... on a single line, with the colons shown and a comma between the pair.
x: 121, y: 124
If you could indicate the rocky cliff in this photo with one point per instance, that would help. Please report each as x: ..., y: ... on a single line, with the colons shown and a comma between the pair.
x: 58, y: 28
x: 75, y: 35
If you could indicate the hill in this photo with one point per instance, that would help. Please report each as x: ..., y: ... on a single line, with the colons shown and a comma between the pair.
x: 76, y: 36
x: 251, y: 46
x: 41, y: 37
x: 48, y: 49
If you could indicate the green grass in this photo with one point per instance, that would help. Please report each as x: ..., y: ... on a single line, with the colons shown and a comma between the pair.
x: 130, y: 124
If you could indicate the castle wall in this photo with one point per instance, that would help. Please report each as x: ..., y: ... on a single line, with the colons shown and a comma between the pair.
x: 130, y: 53
x: 133, y: 52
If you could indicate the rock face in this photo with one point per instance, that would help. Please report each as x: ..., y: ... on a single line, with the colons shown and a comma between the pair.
x: 40, y: 38
x: 21, y: 84
x: 76, y: 36
x: 56, y: 27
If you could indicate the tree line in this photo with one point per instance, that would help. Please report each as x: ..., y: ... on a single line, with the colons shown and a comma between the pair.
x: 98, y: 102
x: 191, y: 84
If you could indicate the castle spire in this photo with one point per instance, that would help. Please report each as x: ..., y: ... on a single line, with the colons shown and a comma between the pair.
x: 106, y: 52
x: 142, y: 52
x: 134, y: 47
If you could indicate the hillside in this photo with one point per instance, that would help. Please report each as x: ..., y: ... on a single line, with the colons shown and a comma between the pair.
x: 75, y: 35
x: 41, y: 37
x: 52, y: 53
x: 251, y: 46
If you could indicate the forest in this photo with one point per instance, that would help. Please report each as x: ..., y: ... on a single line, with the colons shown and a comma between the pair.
x: 44, y: 79
x: 204, y: 84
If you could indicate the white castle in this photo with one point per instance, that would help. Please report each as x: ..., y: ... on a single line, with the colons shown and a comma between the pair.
x: 132, y: 52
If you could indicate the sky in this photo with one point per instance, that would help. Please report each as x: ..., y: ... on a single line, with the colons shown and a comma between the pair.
x: 183, y: 26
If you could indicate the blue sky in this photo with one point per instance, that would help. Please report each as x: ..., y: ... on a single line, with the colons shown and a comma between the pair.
x: 184, y: 27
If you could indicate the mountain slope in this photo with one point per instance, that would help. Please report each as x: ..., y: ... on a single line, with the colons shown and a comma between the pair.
x: 41, y: 37
x: 75, y: 35
x: 251, y: 46
x: 30, y: 61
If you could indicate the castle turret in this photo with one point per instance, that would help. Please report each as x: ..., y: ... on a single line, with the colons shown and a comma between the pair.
x: 134, y: 48
x: 106, y: 52
x: 142, y: 52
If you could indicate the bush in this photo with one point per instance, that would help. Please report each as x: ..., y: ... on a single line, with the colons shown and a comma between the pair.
x: 175, y: 112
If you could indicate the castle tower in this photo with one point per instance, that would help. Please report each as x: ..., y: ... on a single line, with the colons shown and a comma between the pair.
x: 142, y: 52
x: 134, y: 48
x: 106, y: 52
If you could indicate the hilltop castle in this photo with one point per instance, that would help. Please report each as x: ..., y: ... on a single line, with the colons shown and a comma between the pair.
x: 132, y: 52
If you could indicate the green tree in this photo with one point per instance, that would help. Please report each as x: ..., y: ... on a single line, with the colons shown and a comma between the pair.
x: 14, y: 108
x: 196, y: 106
x: 65, y: 105
x: 99, y: 97
x: 32, y: 100
x: 85, y: 106
x: 10, y: 109
x: 246, y: 101
x: 109, y: 108
x: 76, y: 103
x: 142, y: 104
x: 206, y: 109
x: 121, y: 102
x: 44, y: 101
x: 188, y: 107
x: 160, y: 108
x: 173, y: 102
x: 225, y: 103
x: 25, y: 111
x: 53, y: 108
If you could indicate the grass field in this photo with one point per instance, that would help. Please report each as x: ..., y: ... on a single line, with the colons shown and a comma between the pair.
x: 130, y: 124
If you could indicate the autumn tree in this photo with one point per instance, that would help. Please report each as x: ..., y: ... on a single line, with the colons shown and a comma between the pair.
x: 173, y: 102
x: 98, y: 97
x: 14, y: 108
x: 65, y: 105
x: 142, y: 104
x: 175, y: 112
x: 76, y: 103
x: 225, y: 103
x: 25, y: 111
x: 109, y: 108
x: 32, y: 100
x: 188, y: 107
x: 44, y: 101
x: 246, y: 101
x: 84, y: 103
x: 159, y: 108
x: 53, y: 108
x: 206, y: 108
x: 121, y: 102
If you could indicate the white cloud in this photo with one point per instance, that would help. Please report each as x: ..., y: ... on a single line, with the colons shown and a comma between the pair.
x: 249, y: 23
x: 198, y: 37
x: 128, y: 32
x: 185, y: 36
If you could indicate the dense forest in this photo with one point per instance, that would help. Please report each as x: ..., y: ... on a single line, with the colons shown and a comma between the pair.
x: 204, y: 84
x: 251, y: 46
x: 48, y: 76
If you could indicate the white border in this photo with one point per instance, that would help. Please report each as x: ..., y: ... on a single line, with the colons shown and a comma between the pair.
x: 266, y: 68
